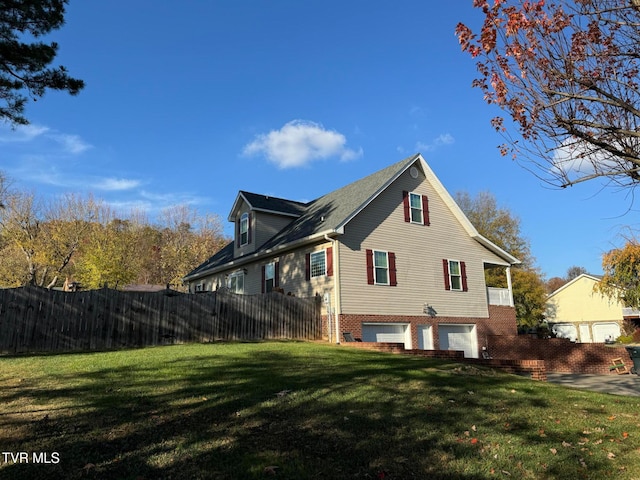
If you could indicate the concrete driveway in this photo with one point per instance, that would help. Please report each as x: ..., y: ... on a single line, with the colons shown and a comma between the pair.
x: 616, y: 384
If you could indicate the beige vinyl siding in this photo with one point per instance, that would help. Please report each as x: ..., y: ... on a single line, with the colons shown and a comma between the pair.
x: 267, y: 225
x: 419, y: 251
x: 292, y: 275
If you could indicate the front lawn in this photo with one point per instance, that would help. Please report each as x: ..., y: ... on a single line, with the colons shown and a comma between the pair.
x: 300, y: 411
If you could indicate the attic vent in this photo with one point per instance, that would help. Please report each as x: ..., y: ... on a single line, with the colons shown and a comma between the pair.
x: 413, y: 172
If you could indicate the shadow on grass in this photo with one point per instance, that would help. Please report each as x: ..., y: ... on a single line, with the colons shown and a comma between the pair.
x: 292, y: 410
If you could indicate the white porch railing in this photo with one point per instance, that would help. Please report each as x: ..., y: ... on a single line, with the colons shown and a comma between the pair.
x: 498, y: 296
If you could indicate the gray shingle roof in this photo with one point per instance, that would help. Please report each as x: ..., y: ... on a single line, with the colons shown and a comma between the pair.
x: 327, y: 213
x: 274, y: 204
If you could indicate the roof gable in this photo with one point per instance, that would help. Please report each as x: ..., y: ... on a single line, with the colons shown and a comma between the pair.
x: 268, y: 204
x: 584, y: 276
x: 329, y: 214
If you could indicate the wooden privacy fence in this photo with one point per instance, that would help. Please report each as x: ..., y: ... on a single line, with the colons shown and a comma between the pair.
x: 34, y: 319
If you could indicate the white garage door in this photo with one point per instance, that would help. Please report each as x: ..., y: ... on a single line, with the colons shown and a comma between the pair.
x: 459, y: 337
x: 605, y: 331
x: 387, y: 332
x: 565, y: 330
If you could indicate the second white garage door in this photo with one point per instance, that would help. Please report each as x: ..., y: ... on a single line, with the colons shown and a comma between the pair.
x: 387, y: 332
x: 605, y: 331
x: 459, y: 337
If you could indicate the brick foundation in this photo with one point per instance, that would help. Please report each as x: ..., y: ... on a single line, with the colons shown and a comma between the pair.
x: 501, y: 321
x: 534, y: 368
x: 559, y: 354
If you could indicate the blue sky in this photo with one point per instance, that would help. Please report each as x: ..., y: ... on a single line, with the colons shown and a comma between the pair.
x: 190, y: 101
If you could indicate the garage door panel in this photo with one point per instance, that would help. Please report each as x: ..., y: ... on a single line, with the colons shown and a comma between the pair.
x: 565, y: 330
x: 459, y: 337
x: 605, y: 331
x: 397, y: 333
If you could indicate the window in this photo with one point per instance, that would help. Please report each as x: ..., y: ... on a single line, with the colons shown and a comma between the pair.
x: 200, y: 287
x: 244, y: 229
x: 415, y: 203
x: 381, y: 268
x: 270, y: 276
x: 455, y: 275
x: 318, y: 264
x: 416, y: 208
x: 235, y: 282
x: 455, y: 278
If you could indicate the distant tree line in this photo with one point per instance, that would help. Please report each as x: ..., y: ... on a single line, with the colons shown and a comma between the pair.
x: 82, y: 239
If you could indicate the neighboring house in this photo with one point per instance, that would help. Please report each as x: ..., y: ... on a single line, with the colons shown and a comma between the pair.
x: 577, y: 312
x: 392, y: 254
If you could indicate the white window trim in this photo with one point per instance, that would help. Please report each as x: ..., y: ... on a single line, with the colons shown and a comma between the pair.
x: 324, y: 274
x: 375, y: 271
x: 238, y: 274
x: 243, y: 217
x: 421, y: 222
x: 459, y: 275
x: 267, y: 277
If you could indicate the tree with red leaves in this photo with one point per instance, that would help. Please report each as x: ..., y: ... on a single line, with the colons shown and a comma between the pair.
x: 566, y: 73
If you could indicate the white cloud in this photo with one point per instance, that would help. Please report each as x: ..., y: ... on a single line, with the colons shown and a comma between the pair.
x: 440, y: 141
x: 21, y: 133
x: 70, y: 143
x: 116, y: 184
x: 299, y: 142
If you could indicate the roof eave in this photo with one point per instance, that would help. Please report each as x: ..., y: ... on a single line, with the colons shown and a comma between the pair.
x: 263, y: 253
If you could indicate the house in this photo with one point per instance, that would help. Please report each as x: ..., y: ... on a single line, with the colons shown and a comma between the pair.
x: 577, y: 312
x: 392, y: 254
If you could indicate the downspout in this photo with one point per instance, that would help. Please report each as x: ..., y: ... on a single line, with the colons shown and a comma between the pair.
x: 336, y: 285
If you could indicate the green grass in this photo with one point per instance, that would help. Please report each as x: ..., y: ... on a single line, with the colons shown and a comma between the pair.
x: 238, y: 411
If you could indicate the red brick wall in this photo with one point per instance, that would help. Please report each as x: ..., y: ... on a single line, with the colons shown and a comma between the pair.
x: 535, y: 368
x: 559, y: 354
x: 502, y: 321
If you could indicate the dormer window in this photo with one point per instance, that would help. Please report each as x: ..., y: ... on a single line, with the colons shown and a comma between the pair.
x: 244, y: 229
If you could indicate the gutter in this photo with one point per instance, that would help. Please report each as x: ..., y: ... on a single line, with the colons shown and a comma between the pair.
x: 257, y: 255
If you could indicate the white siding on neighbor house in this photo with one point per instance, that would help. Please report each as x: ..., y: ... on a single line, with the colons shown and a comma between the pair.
x: 419, y: 251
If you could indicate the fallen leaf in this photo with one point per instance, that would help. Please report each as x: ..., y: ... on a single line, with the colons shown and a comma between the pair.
x: 583, y: 464
x: 271, y: 470
x: 625, y: 435
x: 474, y: 441
x: 611, y: 455
x: 566, y: 444
x: 612, y: 417
x: 553, y: 450
x: 88, y: 467
x: 473, y: 427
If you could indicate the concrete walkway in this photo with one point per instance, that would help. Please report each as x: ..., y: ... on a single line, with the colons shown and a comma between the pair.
x: 616, y: 384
